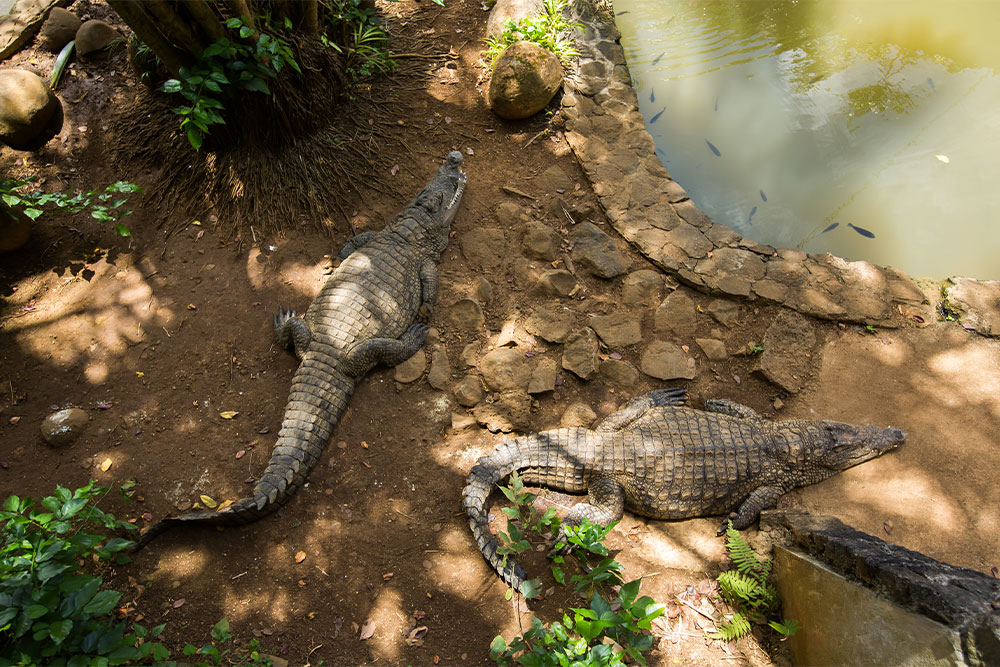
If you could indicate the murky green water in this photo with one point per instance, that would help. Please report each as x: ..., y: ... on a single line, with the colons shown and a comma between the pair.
x: 867, y: 129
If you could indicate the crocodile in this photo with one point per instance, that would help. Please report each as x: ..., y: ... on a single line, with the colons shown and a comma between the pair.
x: 662, y: 459
x: 373, y: 309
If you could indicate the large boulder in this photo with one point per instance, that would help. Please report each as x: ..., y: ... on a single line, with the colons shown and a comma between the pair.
x: 59, y: 29
x: 26, y: 105
x: 525, y: 79
x: 511, y: 10
x: 93, y: 38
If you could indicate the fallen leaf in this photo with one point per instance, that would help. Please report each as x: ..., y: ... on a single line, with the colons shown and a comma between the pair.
x: 364, y: 444
x: 14, y: 420
x: 300, y: 556
x: 208, y: 501
x: 367, y: 630
x: 394, y: 170
x: 311, y: 615
x: 301, y: 583
x: 191, y: 306
x: 240, y: 453
x: 416, y: 636
x: 104, y: 405
x: 147, y: 516
x: 437, y: 659
x: 140, y: 374
x: 105, y: 464
x: 224, y: 505
x: 179, y: 603
x: 196, y: 223
x: 994, y: 571
x: 887, y: 527
x: 201, y: 232
x: 387, y: 576
x: 228, y: 414
x: 366, y: 464
x: 469, y: 151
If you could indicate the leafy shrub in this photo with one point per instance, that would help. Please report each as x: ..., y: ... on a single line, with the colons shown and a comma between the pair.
x: 102, y: 205
x: 52, y: 606
x: 546, y: 30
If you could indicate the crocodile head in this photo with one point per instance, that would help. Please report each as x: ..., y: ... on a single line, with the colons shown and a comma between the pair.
x: 842, y: 446
x: 440, y: 199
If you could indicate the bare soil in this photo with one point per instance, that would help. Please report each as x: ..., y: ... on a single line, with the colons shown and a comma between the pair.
x: 158, y: 334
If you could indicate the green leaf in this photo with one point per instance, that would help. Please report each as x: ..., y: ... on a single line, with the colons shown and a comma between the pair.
x: 11, y: 504
x: 220, y: 631
x: 497, y: 647
x: 628, y: 592
x: 258, y: 85
x: 35, y: 611
x: 171, y: 86
x: 231, y: 24
x: 60, y: 630
x: 245, y: 32
x: 122, y: 230
x: 102, y: 603
x: 530, y: 588
x: 195, y: 137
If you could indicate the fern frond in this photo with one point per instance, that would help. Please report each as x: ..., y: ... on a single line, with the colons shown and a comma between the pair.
x: 743, y: 556
x: 732, y: 629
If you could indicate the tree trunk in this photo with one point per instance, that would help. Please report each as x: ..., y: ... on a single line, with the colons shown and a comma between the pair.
x: 147, y: 30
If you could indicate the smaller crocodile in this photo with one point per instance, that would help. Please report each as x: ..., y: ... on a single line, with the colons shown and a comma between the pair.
x: 661, y: 459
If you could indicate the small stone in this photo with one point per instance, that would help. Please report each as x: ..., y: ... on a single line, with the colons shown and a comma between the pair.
x: 470, y: 355
x: 596, y: 253
x: 482, y: 290
x: 642, y: 288
x: 26, y: 106
x: 620, y: 374
x: 59, y: 29
x: 543, y: 378
x: 540, y: 241
x: 778, y: 404
x: 511, y: 411
x: 439, y: 375
x: 412, y: 368
x: 578, y: 414
x: 557, y: 282
x: 63, y: 427
x: 482, y: 247
x: 93, y: 39
x: 714, y: 349
x: 580, y: 353
x: 468, y: 391
x: 461, y: 421
x: 467, y: 314
x: 675, y: 315
x: 788, y: 348
x: 666, y: 361
x: 505, y: 368
x: 507, y: 214
x: 724, y: 312
x: 553, y: 180
x: 617, y: 330
x: 525, y: 78
x: 551, y: 323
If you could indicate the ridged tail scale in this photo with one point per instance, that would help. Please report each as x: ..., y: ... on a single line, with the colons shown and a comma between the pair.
x: 542, y: 458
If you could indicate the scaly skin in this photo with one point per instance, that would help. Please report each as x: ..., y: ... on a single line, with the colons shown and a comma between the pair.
x: 664, y: 461
x: 364, y: 315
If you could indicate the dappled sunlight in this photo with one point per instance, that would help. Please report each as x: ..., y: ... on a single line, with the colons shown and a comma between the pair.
x: 178, y: 563
x: 952, y: 367
x: 909, y: 492
x: 388, y: 608
x: 302, y: 277
x: 679, y: 545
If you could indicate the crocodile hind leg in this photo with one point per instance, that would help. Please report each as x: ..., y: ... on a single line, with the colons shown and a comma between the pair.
x: 761, y: 498
x: 633, y: 412
x: 724, y: 406
x: 290, y: 329
x: 428, y: 289
x: 364, y: 355
x: 605, y: 504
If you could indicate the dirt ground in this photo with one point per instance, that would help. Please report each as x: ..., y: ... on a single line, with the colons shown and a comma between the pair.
x: 155, y: 336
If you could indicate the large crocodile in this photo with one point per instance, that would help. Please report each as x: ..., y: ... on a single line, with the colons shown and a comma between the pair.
x: 365, y: 314
x: 666, y: 461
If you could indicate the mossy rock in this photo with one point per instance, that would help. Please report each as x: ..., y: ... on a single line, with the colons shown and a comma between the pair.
x: 525, y: 79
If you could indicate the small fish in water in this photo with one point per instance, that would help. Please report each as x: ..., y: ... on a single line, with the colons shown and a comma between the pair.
x: 931, y: 82
x: 713, y: 148
x: 658, y: 57
x: 622, y: 13
x: 831, y: 227
x: 860, y: 230
x: 763, y: 197
x: 652, y: 96
x: 657, y: 116
x: 750, y: 217
x: 716, y: 103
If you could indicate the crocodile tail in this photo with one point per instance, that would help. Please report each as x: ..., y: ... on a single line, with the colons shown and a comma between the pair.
x: 318, y: 398
x: 542, y: 453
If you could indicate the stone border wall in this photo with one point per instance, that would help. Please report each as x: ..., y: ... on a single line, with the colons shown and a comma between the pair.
x: 608, y: 136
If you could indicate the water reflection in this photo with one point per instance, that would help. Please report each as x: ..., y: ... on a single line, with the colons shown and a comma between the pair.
x: 869, y: 126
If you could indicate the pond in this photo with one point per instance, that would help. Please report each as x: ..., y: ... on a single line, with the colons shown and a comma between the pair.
x: 865, y: 129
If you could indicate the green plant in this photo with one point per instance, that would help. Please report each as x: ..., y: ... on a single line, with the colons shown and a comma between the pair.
x: 102, y: 205
x: 365, y: 44
x: 52, y: 606
x: 546, y: 30
x: 223, y: 69
x: 748, y: 590
x: 614, y: 628
x: 212, y: 656
x: 753, y: 349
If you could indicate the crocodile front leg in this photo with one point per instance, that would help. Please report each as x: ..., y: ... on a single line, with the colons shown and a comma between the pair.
x: 724, y: 406
x: 634, y: 410
x: 290, y: 329
x: 365, y: 355
x: 606, y: 504
x: 428, y: 289
x: 761, y: 498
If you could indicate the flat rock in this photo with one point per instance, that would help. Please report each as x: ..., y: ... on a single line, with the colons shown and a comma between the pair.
x: 93, y: 39
x: 713, y: 348
x: 553, y: 180
x: 482, y: 247
x: 666, y: 361
x: 540, y: 241
x: 470, y: 355
x: 725, y: 312
x: 676, y: 315
x: 507, y: 214
x: 977, y: 302
x: 482, y: 290
x: 467, y: 314
x: 617, y: 330
x: 411, y: 369
x: 59, y: 29
x: 619, y: 373
x: 578, y: 414
x: 550, y: 322
x: 595, y: 252
x: 642, y: 288
x: 505, y: 368
x: 26, y: 106
x: 557, y: 282
x: 24, y: 20
x: 63, y: 427
x: 468, y: 391
x: 439, y: 375
x: 580, y: 353
x: 788, y: 347
x: 461, y: 421
x: 543, y: 378
x: 510, y: 411
x: 525, y: 78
